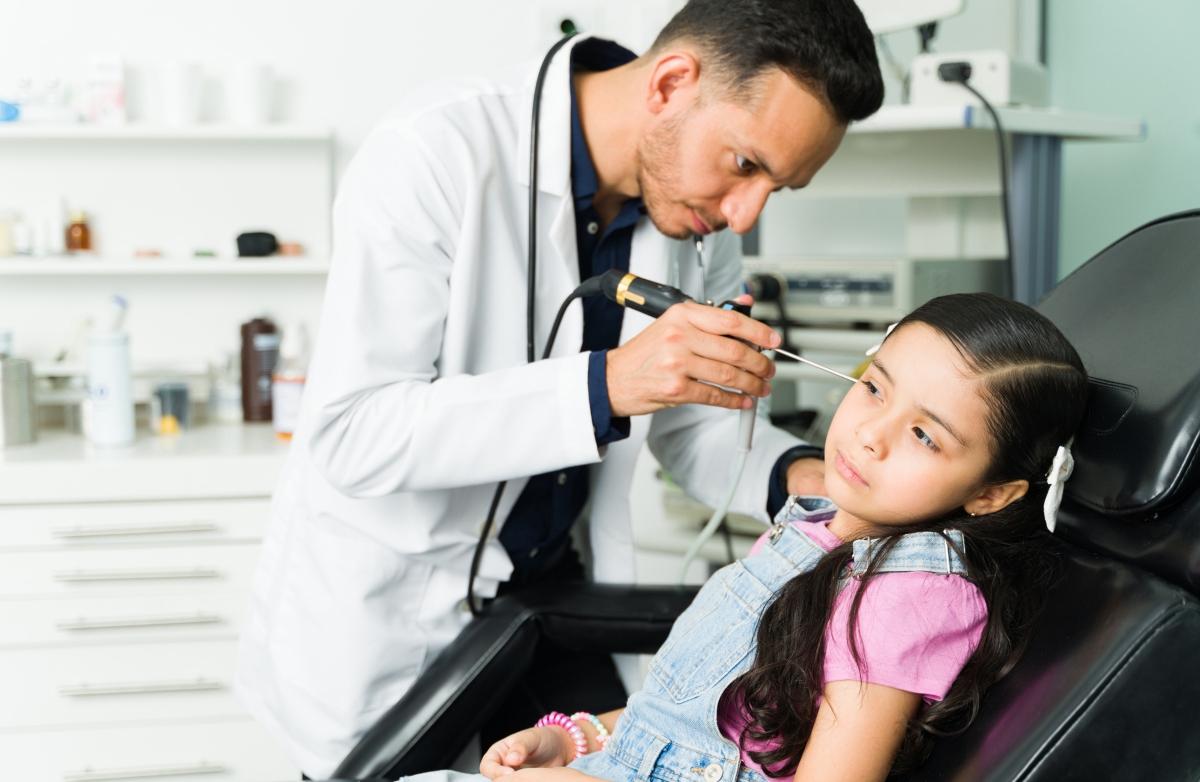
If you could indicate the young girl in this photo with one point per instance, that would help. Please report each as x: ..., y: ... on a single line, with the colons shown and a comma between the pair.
x: 865, y: 624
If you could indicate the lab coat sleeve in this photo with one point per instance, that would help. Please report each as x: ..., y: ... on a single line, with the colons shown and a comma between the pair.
x: 697, y: 444
x: 380, y: 418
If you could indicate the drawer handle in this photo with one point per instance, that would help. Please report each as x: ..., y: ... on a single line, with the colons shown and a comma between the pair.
x: 86, y: 690
x: 143, y: 772
x: 75, y: 576
x: 72, y: 533
x: 83, y: 623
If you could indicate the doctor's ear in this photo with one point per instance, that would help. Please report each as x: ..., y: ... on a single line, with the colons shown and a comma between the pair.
x: 674, y: 78
x: 996, y: 497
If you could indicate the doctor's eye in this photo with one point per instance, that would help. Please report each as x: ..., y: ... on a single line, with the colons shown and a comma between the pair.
x: 745, y: 165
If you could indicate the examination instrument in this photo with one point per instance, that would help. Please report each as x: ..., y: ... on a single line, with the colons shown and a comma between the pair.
x: 813, y: 364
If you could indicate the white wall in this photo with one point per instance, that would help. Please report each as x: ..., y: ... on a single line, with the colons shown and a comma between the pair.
x: 339, y: 64
x: 1110, y: 56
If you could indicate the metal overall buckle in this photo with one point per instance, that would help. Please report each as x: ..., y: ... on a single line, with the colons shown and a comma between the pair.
x: 781, y: 519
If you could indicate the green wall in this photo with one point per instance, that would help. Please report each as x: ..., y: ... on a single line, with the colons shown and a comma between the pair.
x: 1133, y: 59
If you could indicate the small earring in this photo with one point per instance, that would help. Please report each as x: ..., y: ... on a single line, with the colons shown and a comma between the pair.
x: 969, y: 513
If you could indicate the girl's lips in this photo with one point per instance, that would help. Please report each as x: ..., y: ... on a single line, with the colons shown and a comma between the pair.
x: 847, y: 471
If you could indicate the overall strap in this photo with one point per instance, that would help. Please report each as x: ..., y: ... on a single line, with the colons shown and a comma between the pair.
x: 932, y: 552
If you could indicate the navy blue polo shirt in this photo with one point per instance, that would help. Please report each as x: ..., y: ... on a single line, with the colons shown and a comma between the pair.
x: 538, y: 527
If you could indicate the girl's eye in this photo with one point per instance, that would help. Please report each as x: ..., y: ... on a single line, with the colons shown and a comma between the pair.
x: 925, y: 439
x: 872, y: 389
x: 744, y: 165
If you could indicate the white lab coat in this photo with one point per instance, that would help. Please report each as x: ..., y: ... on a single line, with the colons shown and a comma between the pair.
x: 419, y: 400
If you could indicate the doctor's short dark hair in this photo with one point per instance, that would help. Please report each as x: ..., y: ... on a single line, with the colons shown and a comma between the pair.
x: 824, y: 44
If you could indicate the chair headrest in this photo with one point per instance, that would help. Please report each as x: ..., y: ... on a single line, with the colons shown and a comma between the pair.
x: 1133, y: 313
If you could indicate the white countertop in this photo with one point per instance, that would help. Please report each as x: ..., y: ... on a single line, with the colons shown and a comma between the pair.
x: 219, y: 460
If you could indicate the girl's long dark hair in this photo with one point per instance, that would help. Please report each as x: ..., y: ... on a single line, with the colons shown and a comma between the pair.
x: 1036, y: 388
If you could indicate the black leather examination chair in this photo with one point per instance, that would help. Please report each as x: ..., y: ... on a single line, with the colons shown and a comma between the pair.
x: 1109, y: 688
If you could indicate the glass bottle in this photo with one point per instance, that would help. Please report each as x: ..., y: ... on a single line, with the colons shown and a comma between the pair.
x: 79, y: 236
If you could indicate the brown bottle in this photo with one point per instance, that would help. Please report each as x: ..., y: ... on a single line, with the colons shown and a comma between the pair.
x: 79, y: 237
x: 260, y: 353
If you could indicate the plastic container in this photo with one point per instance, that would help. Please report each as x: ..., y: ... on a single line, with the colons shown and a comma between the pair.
x: 170, y: 408
x: 108, y: 408
x: 260, y: 353
x: 18, y: 408
x: 287, y: 383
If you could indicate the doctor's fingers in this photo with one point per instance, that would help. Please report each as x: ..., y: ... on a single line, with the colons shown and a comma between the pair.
x: 732, y: 352
x: 730, y: 377
x: 715, y: 320
x: 702, y: 393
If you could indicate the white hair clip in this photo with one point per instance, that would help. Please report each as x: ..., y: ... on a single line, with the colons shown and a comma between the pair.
x: 875, y: 348
x: 1060, y: 470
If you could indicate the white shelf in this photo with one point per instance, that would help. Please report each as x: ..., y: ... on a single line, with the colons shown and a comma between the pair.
x: 32, y: 132
x: 1048, y: 122
x: 104, y: 266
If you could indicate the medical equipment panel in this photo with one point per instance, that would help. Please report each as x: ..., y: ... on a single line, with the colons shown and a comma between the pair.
x: 843, y: 290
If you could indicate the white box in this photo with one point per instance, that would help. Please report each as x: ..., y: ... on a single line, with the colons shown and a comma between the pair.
x: 999, y: 78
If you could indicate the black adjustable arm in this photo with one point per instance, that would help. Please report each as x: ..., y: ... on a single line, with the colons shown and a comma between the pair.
x: 453, y: 697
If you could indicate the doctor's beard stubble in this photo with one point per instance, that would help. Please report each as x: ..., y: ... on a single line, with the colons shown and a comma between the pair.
x: 658, y: 160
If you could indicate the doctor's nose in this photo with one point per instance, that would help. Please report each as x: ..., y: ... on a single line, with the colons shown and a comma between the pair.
x: 742, y: 205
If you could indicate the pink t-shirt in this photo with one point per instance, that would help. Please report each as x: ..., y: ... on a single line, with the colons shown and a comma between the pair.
x: 916, y: 631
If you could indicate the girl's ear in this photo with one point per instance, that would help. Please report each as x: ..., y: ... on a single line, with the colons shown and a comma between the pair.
x: 995, y: 497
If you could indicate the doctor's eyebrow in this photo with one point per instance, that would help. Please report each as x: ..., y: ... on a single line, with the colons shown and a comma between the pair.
x: 932, y: 416
x: 766, y: 167
x: 761, y: 162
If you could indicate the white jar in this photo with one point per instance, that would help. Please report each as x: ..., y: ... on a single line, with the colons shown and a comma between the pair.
x: 108, y: 409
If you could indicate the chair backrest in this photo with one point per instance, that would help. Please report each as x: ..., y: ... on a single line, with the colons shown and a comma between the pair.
x: 1133, y: 313
x: 1107, y: 683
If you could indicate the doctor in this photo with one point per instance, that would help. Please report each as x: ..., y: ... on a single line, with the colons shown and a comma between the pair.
x: 420, y: 398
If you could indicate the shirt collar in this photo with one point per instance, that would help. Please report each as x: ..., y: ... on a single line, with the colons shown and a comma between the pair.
x: 594, y: 54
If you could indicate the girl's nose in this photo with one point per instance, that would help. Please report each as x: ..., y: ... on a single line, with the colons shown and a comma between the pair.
x: 871, y: 436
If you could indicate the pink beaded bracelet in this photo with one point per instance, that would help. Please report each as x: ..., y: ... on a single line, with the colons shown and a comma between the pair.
x: 558, y: 719
x: 601, y: 731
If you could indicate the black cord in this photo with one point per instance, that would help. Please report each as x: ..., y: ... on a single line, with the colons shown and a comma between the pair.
x: 530, y: 290
x: 959, y: 72
x: 1008, y: 234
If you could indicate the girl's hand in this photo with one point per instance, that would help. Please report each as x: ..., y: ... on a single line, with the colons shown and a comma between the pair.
x: 544, y: 747
x: 551, y: 775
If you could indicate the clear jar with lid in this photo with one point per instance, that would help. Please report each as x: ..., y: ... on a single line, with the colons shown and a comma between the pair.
x: 78, y: 235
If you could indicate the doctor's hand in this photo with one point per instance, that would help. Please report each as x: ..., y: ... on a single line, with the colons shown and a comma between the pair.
x: 677, y: 359
x: 530, y: 748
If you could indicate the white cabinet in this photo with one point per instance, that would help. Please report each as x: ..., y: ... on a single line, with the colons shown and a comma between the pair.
x: 120, y: 610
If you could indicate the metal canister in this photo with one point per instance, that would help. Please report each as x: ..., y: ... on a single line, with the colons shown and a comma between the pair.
x: 18, y: 411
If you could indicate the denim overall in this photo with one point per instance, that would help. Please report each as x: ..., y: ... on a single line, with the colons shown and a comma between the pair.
x: 668, y: 731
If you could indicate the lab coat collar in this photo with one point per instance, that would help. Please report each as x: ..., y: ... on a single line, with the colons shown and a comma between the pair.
x: 554, y: 155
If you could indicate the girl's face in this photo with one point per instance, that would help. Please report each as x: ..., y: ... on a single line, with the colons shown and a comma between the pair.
x: 909, y: 441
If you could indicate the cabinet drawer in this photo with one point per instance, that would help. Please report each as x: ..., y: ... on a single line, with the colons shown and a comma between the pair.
x: 192, y: 614
x: 76, y: 685
x: 132, y: 523
x: 226, y: 751
x: 127, y: 571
